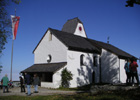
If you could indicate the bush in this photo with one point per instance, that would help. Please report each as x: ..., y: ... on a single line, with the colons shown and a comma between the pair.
x: 66, y: 77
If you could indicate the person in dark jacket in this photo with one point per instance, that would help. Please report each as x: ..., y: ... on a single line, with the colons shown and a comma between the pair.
x: 127, y: 70
x: 35, y: 83
x: 28, y: 83
x: 22, y: 84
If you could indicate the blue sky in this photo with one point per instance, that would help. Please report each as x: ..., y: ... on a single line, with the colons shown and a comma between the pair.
x: 101, y: 18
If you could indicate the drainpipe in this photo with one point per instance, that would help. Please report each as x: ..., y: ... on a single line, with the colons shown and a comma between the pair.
x: 100, y: 69
x: 119, y: 72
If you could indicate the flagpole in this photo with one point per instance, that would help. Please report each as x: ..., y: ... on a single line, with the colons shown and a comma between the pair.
x: 12, y: 54
x: 12, y: 59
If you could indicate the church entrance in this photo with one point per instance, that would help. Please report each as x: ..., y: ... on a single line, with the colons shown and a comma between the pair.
x: 93, y: 77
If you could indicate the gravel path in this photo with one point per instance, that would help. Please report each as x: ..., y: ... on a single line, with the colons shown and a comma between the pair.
x: 42, y: 91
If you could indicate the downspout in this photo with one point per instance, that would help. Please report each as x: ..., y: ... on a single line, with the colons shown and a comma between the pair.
x: 100, y: 71
x: 119, y: 72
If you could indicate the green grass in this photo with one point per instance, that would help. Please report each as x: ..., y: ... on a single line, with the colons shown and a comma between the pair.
x: 101, y: 95
x: 84, y: 96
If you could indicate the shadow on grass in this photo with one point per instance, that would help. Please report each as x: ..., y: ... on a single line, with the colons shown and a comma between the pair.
x: 119, y: 94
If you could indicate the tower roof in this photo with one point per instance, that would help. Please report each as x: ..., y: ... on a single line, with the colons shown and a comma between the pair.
x: 71, y: 25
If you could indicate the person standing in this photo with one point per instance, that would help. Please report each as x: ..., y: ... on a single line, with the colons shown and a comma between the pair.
x: 127, y: 70
x: 35, y: 83
x: 133, y: 68
x: 22, y: 84
x: 28, y: 83
x: 5, y: 81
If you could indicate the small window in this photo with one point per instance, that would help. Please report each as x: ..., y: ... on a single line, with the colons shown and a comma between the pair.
x: 95, y: 61
x: 50, y: 36
x: 82, y: 60
x: 49, y: 58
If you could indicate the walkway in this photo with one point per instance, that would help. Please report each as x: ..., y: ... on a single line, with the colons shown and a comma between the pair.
x: 42, y: 91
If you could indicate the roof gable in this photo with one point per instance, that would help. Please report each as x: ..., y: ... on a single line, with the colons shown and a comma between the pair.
x: 40, y: 40
x: 74, y: 42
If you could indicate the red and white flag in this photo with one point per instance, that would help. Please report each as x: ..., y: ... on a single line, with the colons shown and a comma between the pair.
x: 15, y: 22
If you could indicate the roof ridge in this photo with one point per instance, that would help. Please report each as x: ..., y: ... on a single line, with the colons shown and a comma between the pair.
x: 66, y: 32
x: 76, y: 19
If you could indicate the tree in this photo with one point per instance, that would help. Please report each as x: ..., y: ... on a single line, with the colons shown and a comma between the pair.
x: 66, y: 77
x: 5, y: 24
x: 0, y: 69
x: 132, y: 2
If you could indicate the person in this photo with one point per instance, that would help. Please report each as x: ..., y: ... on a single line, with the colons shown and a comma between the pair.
x: 1, y: 84
x: 35, y: 83
x: 10, y: 84
x: 128, y: 75
x: 133, y: 68
x: 22, y: 84
x: 5, y: 81
x: 28, y: 83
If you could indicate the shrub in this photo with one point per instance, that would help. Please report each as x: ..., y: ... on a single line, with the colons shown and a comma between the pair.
x: 66, y: 77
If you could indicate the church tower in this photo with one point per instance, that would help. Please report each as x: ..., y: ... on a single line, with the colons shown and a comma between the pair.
x: 74, y: 26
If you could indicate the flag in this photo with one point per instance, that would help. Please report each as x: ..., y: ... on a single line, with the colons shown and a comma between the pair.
x: 15, y: 22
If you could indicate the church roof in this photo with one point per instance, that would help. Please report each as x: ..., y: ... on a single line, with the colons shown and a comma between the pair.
x: 48, y: 67
x: 71, y: 25
x: 120, y: 53
x: 74, y: 42
x: 78, y: 43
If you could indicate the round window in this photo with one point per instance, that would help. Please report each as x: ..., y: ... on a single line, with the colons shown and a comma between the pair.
x: 49, y: 58
x: 80, y: 28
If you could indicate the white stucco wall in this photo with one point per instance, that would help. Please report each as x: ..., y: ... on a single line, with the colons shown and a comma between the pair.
x: 122, y: 71
x: 82, y: 75
x: 109, y: 67
x: 78, y: 32
x: 47, y: 84
x: 55, y: 48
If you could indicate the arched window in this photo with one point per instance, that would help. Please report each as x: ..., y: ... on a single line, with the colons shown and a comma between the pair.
x: 49, y: 58
x: 95, y: 61
x: 82, y: 60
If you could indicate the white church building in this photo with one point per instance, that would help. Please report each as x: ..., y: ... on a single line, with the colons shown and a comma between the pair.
x: 89, y: 61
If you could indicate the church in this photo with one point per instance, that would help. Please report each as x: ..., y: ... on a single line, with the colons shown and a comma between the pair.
x: 89, y: 61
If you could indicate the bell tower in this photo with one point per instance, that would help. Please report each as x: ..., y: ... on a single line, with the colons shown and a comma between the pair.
x: 74, y: 26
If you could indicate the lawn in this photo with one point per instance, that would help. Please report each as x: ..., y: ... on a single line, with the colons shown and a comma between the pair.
x: 84, y: 96
x: 102, y: 95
